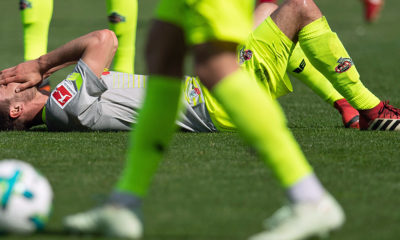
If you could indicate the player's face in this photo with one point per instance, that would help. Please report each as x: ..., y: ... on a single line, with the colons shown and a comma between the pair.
x: 8, y: 91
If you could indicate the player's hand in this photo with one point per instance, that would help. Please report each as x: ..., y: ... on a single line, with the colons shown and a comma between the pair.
x: 27, y: 73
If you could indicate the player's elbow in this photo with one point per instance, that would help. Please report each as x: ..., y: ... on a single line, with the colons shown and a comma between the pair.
x: 106, y: 39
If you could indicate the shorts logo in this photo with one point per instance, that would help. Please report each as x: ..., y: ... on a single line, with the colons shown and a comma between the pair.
x: 344, y: 65
x: 24, y: 4
x: 245, y: 55
x: 62, y: 95
x: 301, y: 67
x: 116, y: 18
x: 194, y: 92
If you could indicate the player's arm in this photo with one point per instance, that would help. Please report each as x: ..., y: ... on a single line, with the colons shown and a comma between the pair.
x: 96, y: 49
x: 55, y: 69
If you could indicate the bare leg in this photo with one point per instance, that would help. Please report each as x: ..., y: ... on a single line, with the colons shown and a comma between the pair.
x: 263, y: 11
x: 214, y: 61
x: 165, y: 57
x: 293, y: 15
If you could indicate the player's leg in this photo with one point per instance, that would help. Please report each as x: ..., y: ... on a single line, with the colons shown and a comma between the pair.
x: 156, y: 124
x: 372, y: 9
x: 122, y: 17
x: 300, y: 67
x: 156, y: 121
x: 261, y: 122
x: 301, y: 184
x: 36, y: 17
x: 303, y: 20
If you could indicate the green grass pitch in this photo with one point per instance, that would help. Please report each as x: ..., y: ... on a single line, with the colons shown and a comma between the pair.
x: 212, y: 186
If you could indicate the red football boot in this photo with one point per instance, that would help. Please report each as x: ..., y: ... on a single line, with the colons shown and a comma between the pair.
x: 382, y: 117
x: 372, y: 8
x: 267, y: 1
x: 350, y: 115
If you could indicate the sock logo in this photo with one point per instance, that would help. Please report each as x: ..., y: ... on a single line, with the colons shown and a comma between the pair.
x: 344, y: 65
x: 116, y: 18
x: 245, y: 55
x: 301, y: 67
x: 24, y: 4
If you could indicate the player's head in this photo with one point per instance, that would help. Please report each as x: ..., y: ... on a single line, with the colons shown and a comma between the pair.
x: 12, y: 106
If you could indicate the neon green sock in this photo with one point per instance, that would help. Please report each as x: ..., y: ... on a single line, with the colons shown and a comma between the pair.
x: 152, y: 134
x: 122, y: 15
x: 326, y: 52
x: 262, y: 123
x: 36, y: 17
x: 300, y: 67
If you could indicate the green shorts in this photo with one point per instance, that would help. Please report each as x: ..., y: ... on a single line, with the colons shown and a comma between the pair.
x: 265, y: 55
x: 209, y: 20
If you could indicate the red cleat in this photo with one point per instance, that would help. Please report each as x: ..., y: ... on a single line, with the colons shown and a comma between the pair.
x: 372, y: 9
x: 383, y: 117
x: 350, y: 115
x: 267, y: 1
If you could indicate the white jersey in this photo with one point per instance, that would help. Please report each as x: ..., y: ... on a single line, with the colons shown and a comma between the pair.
x: 85, y: 102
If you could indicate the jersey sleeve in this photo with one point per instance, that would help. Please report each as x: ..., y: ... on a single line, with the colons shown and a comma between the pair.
x: 73, y: 105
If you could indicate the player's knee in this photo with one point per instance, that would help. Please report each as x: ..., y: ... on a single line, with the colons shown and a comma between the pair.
x: 304, y: 9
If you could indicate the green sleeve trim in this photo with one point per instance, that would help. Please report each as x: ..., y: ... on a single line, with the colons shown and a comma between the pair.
x: 77, y: 78
x: 44, y: 114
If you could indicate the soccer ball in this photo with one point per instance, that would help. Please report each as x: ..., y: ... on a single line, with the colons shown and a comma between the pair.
x: 25, y: 198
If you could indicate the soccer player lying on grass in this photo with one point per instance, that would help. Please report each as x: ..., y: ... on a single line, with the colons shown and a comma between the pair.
x: 121, y: 94
x: 118, y: 96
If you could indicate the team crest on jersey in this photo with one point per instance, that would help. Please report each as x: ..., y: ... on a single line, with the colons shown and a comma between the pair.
x: 116, y: 18
x: 344, y: 65
x: 245, y: 55
x: 63, y: 94
x: 24, y: 4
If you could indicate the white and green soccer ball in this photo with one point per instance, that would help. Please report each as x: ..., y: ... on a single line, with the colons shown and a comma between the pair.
x: 25, y: 198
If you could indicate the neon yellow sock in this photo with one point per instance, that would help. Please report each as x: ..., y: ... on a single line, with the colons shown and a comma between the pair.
x: 300, y: 67
x: 155, y: 127
x: 262, y: 123
x: 36, y: 17
x: 326, y: 52
x: 122, y: 15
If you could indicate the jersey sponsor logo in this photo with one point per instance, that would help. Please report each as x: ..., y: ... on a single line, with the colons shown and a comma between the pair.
x: 301, y: 67
x: 63, y: 94
x: 344, y: 65
x: 24, y: 4
x: 116, y: 18
x: 245, y: 55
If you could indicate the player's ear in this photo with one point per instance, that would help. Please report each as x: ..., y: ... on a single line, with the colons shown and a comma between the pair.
x: 16, y: 110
